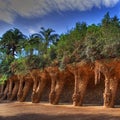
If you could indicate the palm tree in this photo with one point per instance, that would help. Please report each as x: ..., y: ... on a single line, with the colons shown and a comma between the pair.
x: 10, y: 42
x: 31, y: 45
x: 47, y: 38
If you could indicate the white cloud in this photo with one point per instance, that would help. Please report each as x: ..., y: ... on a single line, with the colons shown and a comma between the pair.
x: 83, y: 5
x: 109, y: 3
x: 32, y: 31
x: 28, y: 8
x: 5, y: 13
x: 6, y: 16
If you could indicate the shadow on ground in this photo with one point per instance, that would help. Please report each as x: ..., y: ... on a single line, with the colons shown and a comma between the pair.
x: 60, y: 117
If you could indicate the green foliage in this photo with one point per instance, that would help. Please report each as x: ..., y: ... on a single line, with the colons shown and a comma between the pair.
x: 70, y: 46
x: 45, y: 48
x: 19, y: 67
x: 93, y: 42
x: 103, y: 41
x: 71, y: 41
x: 32, y: 44
x: 51, y: 54
x: 111, y: 36
x: 9, y: 43
x: 48, y: 38
x: 34, y: 62
x: 5, y: 65
x: 3, y: 78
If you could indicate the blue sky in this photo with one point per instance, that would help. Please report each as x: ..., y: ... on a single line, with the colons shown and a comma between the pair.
x: 61, y: 15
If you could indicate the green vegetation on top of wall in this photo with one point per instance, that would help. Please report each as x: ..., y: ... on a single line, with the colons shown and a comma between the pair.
x: 3, y: 78
x: 83, y: 42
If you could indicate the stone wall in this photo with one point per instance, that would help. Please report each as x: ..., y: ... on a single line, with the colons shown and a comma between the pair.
x: 93, y: 96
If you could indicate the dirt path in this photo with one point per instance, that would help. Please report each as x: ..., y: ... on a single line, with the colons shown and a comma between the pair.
x: 44, y: 111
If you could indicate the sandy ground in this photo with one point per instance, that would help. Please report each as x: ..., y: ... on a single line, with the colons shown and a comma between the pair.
x: 45, y: 111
